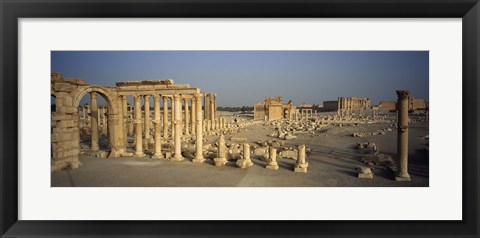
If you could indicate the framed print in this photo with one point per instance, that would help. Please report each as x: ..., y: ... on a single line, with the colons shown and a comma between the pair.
x: 278, y: 118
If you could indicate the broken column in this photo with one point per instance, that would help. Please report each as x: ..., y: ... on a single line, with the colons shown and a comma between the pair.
x: 199, y: 135
x: 178, y: 128
x: 222, y: 153
x: 301, y: 164
x: 402, y: 136
x: 138, y: 127
x: 94, y: 120
x: 245, y: 162
x: 158, y: 137
x: 272, y: 159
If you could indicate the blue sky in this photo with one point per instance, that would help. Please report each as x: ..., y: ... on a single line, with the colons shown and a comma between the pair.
x: 245, y: 77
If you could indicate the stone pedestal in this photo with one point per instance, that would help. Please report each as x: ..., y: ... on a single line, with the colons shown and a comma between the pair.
x: 245, y: 162
x: 402, y: 136
x: 272, y: 159
x: 301, y: 164
x: 222, y: 154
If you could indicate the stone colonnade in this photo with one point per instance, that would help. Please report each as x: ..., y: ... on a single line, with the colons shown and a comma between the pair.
x: 184, y: 119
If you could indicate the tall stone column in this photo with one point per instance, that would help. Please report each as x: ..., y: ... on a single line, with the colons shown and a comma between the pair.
x: 104, y: 116
x: 147, y: 117
x: 94, y: 120
x: 338, y: 106
x: 212, y: 111
x: 138, y: 126
x: 193, y: 117
x: 165, y: 118
x: 125, y: 119
x: 402, y: 136
x: 178, y: 128
x: 199, y: 135
x: 187, y: 117
x: 172, y: 124
x: 158, y: 136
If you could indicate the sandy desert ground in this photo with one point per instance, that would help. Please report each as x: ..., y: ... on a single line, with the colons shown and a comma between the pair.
x: 333, y: 157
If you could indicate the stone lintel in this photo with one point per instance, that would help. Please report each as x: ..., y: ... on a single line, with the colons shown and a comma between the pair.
x: 145, y: 82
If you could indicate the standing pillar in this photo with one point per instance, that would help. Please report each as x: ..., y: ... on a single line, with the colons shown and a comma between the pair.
x: 301, y: 165
x: 178, y: 128
x: 158, y: 136
x: 222, y: 153
x: 94, y: 120
x: 199, y: 136
x: 125, y: 119
x: 187, y: 117
x: 402, y: 136
x: 138, y: 127
x: 194, y: 116
x: 172, y: 119
x: 165, y: 118
x: 147, y: 117
x: 212, y: 111
x: 245, y: 162
x: 272, y: 159
x: 104, y: 118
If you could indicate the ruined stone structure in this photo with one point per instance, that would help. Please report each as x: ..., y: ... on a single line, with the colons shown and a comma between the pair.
x: 273, y: 109
x: 346, y: 105
x: 413, y: 104
x: 184, y: 118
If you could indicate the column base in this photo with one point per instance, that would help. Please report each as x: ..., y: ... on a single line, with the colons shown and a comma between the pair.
x: 243, y: 163
x: 404, y: 178
x: 220, y: 161
x: 272, y: 166
x: 177, y: 157
x: 139, y: 155
x: 158, y: 156
x: 300, y: 169
x: 198, y: 160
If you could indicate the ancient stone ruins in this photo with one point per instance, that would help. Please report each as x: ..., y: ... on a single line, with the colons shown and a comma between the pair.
x: 182, y: 117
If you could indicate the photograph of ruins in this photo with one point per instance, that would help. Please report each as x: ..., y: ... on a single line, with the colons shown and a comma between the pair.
x: 239, y: 119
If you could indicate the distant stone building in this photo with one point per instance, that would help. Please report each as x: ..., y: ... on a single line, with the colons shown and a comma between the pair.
x: 345, y: 105
x: 413, y: 104
x: 387, y: 106
x: 273, y: 109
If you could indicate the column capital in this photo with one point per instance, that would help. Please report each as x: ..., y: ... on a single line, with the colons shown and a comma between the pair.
x: 93, y: 94
x: 403, y: 94
x: 156, y: 97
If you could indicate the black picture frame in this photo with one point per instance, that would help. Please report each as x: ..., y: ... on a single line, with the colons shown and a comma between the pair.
x: 11, y: 11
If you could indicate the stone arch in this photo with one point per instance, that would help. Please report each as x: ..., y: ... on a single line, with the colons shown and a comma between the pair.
x: 113, y: 112
x: 81, y: 91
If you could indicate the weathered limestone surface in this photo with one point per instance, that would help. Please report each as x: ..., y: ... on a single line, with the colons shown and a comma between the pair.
x: 222, y: 154
x: 301, y: 165
x: 272, y: 159
x: 402, y: 136
x: 117, y: 120
x: 246, y: 162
